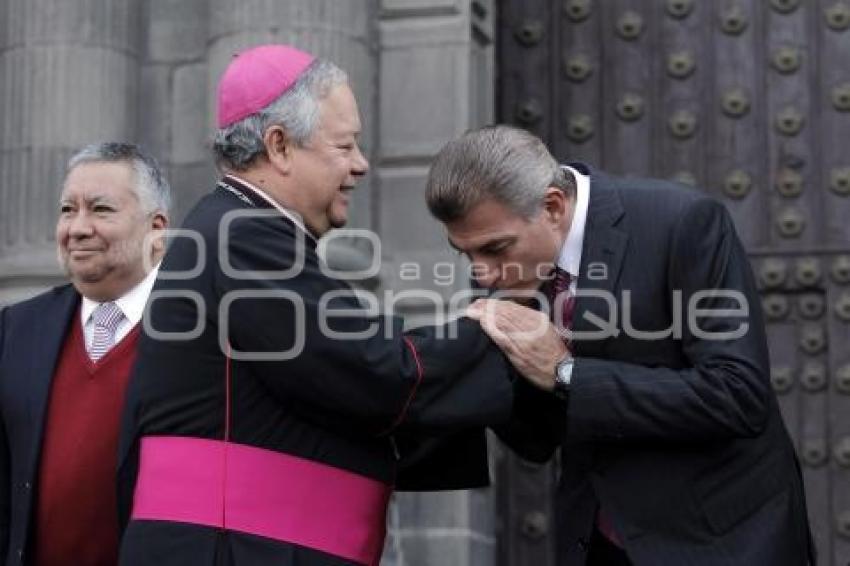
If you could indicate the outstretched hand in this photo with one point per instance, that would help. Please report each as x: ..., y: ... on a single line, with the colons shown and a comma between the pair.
x: 528, y: 339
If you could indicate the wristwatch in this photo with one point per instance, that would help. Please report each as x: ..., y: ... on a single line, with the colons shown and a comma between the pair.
x: 563, y: 375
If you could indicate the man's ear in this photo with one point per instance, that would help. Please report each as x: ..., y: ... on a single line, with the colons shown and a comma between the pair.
x: 279, y: 148
x: 159, y: 222
x: 556, y: 204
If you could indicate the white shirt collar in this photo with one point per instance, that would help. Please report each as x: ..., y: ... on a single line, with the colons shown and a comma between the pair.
x: 132, y: 303
x: 294, y: 216
x: 570, y: 257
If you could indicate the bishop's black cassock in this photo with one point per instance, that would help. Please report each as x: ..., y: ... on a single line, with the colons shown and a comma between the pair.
x: 228, y: 460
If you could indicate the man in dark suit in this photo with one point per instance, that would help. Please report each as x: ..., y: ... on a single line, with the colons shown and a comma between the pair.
x: 261, y: 418
x: 65, y: 357
x: 652, y: 377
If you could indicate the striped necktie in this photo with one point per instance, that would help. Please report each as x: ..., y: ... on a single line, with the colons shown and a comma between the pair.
x: 559, y: 285
x: 106, y: 317
x: 558, y: 293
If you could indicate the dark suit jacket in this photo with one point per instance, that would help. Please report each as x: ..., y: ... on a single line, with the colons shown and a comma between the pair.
x: 31, y: 337
x: 680, y: 439
x: 337, y: 403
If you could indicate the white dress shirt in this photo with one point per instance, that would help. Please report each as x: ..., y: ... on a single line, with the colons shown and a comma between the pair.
x: 132, y: 304
x: 569, y: 259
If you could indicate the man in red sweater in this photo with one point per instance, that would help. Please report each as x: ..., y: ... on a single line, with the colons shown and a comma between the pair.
x: 65, y: 357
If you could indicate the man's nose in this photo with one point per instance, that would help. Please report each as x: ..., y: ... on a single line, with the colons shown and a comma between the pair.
x: 80, y: 225
x: 486, y: 274
x: 360, y: 165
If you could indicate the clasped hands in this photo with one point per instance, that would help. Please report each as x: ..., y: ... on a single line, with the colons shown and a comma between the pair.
x: 526, y: 336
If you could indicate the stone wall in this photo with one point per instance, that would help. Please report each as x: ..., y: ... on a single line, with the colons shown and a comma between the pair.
x: 436, y: 76
x: 69, y: 73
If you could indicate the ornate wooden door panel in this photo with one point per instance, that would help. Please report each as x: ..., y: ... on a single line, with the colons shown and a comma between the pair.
x: 748, y: 100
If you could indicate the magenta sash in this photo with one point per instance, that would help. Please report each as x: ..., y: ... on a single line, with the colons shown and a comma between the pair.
x: 261, y: 492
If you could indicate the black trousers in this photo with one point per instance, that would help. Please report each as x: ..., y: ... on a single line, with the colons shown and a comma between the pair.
x: 603, y: 552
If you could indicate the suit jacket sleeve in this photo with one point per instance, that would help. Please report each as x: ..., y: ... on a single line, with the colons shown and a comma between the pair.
x: 455, y: 461
x: 534, y: 430
x: 724, y: 391
x: 459, y: 460
x: 355, y: 366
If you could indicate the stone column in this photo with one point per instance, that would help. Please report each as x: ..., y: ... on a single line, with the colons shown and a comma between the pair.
x: 174, y: 93
x: 436, y: 78
x: 436, y: 82
x: 68, y: 77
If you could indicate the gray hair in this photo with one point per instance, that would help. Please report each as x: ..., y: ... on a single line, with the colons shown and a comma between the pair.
x: 500, y: 162
x: 151, y: 187
x: 296, y: 110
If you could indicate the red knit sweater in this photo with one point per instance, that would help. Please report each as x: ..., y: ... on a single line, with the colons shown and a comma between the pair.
x: 76, y: 519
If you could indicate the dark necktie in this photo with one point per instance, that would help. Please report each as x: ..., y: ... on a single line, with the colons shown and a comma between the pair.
x: 558, y: 293
x: 563, y: 302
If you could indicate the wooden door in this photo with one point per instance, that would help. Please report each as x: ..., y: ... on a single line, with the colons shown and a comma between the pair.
x: 748, y: 100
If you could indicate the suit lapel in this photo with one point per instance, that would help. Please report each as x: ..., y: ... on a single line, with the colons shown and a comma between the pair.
x: 48, y: 337
x: 603, y: 251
